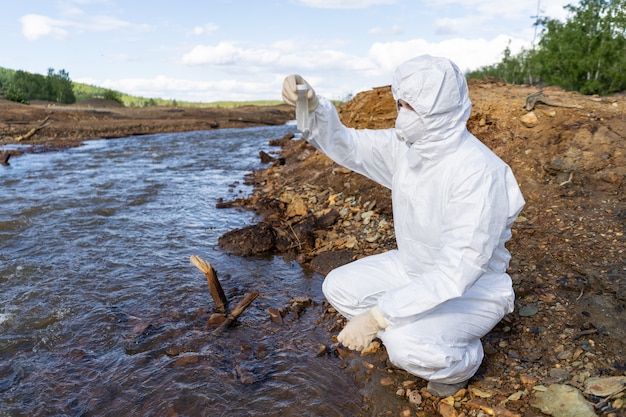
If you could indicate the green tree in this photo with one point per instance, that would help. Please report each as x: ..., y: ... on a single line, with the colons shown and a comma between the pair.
x: 13, y: 93
x: 113, y: 96
x: 31, y: 86
x: 587, y: 53
x: 60, y: 87
x: 513, y: 69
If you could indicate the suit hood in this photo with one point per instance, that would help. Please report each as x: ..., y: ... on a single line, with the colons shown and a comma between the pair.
x: 437, y: 91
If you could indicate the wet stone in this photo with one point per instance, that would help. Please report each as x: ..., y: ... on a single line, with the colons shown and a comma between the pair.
x: 528, y: 311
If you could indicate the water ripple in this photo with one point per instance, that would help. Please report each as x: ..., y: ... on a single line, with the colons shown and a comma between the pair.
x: 94, y: 257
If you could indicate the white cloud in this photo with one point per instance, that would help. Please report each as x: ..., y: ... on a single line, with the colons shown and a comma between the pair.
x: 343, y: 4
x: 468, y: 54
x: 188, y: 90
x: 224, y: 53
x: 36, y: 26
x: 205, y: 29
x: 229, y: 53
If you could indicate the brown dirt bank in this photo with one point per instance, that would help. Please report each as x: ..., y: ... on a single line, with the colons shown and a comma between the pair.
x: 69, y: 125
x: 568, y: 266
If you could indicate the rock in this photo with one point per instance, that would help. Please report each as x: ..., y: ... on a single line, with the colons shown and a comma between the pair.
x: 282, y: 141
x: 265, y: 157
x: 528, y: 311
x: 563, y: 401
x: 529, y: 120
x: 216, y: 319
x: 603, y: 387
x: 275, y: 315
x: 559, y: 374
x: 499, y: 411
x: 4, y: 158
x: 481, y: 393
x: 249, y: 240
x: 327, y: 220
x: 327, y: 261
x: 446, y: 410
x: 297, y: 207
x: 414, y: 397
x: 385, y: 382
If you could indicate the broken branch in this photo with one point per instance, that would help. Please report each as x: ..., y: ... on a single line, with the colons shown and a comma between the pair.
x: 34, y: 130
x: 215, y: 288
x: 237, y: 311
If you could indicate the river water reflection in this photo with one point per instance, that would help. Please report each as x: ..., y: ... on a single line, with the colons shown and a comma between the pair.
x: 94, y: 252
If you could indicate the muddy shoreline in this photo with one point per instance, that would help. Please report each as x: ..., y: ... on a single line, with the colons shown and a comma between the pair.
x: 69, y: 125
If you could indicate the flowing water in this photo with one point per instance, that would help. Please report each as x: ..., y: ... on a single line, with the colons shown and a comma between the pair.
x: 96, y: 284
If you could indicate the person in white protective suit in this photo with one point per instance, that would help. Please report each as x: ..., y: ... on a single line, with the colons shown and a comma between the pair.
x: 454, y: 202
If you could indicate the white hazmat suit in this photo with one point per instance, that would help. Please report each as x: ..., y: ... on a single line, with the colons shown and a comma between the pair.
x: 454, y: 202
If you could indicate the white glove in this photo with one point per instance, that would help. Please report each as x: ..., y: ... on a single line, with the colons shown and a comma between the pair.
x: 290, y: 93
x: 362, y: 329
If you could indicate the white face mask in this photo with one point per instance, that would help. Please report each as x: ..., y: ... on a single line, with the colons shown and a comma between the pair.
x: 409, y: 126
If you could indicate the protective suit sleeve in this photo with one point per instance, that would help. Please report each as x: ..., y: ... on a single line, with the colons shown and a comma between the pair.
x: 476, y: 222
x: 372, y: 153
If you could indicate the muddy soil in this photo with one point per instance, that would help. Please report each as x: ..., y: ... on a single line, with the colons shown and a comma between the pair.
x: 69, y: 125
x: 568, y: 245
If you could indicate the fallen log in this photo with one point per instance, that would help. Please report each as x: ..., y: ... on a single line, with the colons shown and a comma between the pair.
x: 540, y: 97
x: 34, y: 130
x: 215, y: 288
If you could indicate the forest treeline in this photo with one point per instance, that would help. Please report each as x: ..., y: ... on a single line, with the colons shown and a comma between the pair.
x: 585, y: 53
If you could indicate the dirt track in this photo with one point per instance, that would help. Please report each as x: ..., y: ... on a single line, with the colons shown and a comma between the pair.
x: 568, y: 266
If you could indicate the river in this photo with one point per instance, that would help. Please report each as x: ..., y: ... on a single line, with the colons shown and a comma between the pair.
x: 95, y: 244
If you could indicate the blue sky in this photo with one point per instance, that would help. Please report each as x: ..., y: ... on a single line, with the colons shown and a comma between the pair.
x: 215, y: 50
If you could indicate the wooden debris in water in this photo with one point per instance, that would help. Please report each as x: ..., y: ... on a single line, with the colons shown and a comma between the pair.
x: 215, y: 288
x: 233, y: 315
x: 217, y: 293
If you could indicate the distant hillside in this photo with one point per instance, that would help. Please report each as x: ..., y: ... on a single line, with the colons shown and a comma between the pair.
x: 84, y: 92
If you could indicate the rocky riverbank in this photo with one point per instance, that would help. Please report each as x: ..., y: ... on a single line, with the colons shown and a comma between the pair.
x: 565, y: 342
x: 561, y: 352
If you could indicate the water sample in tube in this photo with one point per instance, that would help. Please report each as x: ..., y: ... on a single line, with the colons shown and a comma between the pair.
x: 302, y: 107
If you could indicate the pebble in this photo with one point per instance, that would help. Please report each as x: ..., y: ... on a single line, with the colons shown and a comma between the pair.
x: 529, y: 120
x: 559, y: 374
x: 528, y: 311
x: 414, y: 397
x: 446, y: 410
x: 385, y: 382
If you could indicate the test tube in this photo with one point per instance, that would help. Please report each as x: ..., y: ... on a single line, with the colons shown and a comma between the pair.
x: 302, y: 107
